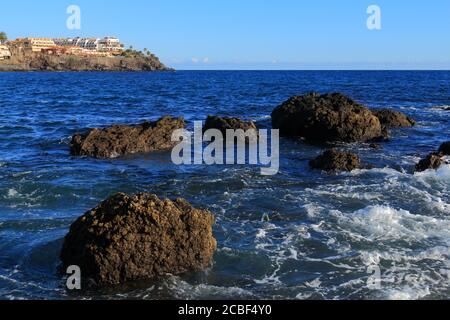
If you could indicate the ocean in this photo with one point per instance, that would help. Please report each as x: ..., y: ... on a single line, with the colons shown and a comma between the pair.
x: 300, y: 234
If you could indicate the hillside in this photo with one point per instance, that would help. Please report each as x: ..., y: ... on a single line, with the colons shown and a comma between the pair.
x: 21, y: 61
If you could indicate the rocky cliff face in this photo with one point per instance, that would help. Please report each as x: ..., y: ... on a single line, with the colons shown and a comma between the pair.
x: 21, y: 61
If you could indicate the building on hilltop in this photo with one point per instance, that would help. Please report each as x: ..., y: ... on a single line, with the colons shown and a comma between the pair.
x: 110, y: 44
x: 37, y: 44
x: 107, y: 44
x: 86, y: 47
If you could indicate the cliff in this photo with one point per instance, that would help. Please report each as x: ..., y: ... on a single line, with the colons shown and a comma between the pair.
x: 21, y: 61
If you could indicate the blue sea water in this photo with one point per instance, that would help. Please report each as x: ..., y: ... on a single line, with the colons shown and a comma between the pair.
x: 301, y: 234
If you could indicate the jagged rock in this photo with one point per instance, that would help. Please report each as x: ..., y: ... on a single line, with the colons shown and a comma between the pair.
x: 393, y: 119
x: 334, y: 160
x: 139, y: 237
x: 432, y: 161
x: 445, y: 149
x: 435, y: 159
x: 329, y: 117
x: 121, y: 140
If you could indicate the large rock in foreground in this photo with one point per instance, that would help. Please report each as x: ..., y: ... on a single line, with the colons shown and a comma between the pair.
x: 330, y: 117
x: 139, y: 237
x: 393, y: 119
x: 334, y: 160
x: 122, y: 140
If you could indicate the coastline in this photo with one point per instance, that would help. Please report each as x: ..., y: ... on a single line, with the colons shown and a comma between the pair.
x: 67, y: 63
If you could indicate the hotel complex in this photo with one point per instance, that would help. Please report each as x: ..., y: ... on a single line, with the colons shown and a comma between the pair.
x: 107, y: 46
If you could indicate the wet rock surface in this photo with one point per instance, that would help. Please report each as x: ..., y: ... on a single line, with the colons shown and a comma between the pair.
x: 139, y: 237
x: 435, y: 159
x: 335, y: 161
x: 120, y: 140
x: 432, y: 161
x: 393, y: 119
x: 329, y: 117
x: 226, y: 123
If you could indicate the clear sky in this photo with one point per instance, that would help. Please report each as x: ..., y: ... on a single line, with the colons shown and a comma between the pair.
x: 253, y: 34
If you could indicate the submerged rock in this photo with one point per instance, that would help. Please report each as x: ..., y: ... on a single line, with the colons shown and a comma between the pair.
x: 432, y: 161
x: 121, y: 140
x: 139, y: 237
x: 334, y: 160
x: 393, y: 119
x: 329, y: 117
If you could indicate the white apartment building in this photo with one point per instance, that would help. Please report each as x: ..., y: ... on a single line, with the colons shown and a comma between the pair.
x: 106, y: 44
x: 110, y: 44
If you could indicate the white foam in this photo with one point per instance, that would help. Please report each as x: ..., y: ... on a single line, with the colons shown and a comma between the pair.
x: 442, y: 174
x: 441, y: 107
x: 386, y: 223
x: 185, y: 290
x: 12, y: 193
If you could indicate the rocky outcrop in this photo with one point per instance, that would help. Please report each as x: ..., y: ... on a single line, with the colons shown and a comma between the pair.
x: 329, y: 117
x: 21, y: 61
x: 224, y: 123
x: 435, y: 159
x: 139, y: 237
x: 393, y: 119
x: 122, y: 140
x: 335, y: 161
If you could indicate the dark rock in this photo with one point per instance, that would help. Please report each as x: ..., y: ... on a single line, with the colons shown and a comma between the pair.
x: 139, y: 237
x: 432, y: 161
x: 330, y: 117
x: 374, y: 146
x: 121, y: 140
x: 445, y: 149
x: 224, y: 123
x: 393, y: 119
x: 333, y: 160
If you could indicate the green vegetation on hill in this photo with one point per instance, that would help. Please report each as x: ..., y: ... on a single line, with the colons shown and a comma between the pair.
x: 131, y: 53
x: 3, y: 36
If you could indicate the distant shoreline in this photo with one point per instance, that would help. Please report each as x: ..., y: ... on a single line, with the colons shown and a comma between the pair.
x: 41, y: 62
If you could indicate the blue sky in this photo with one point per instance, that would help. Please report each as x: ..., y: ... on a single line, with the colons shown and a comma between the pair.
x: 254, y: 34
